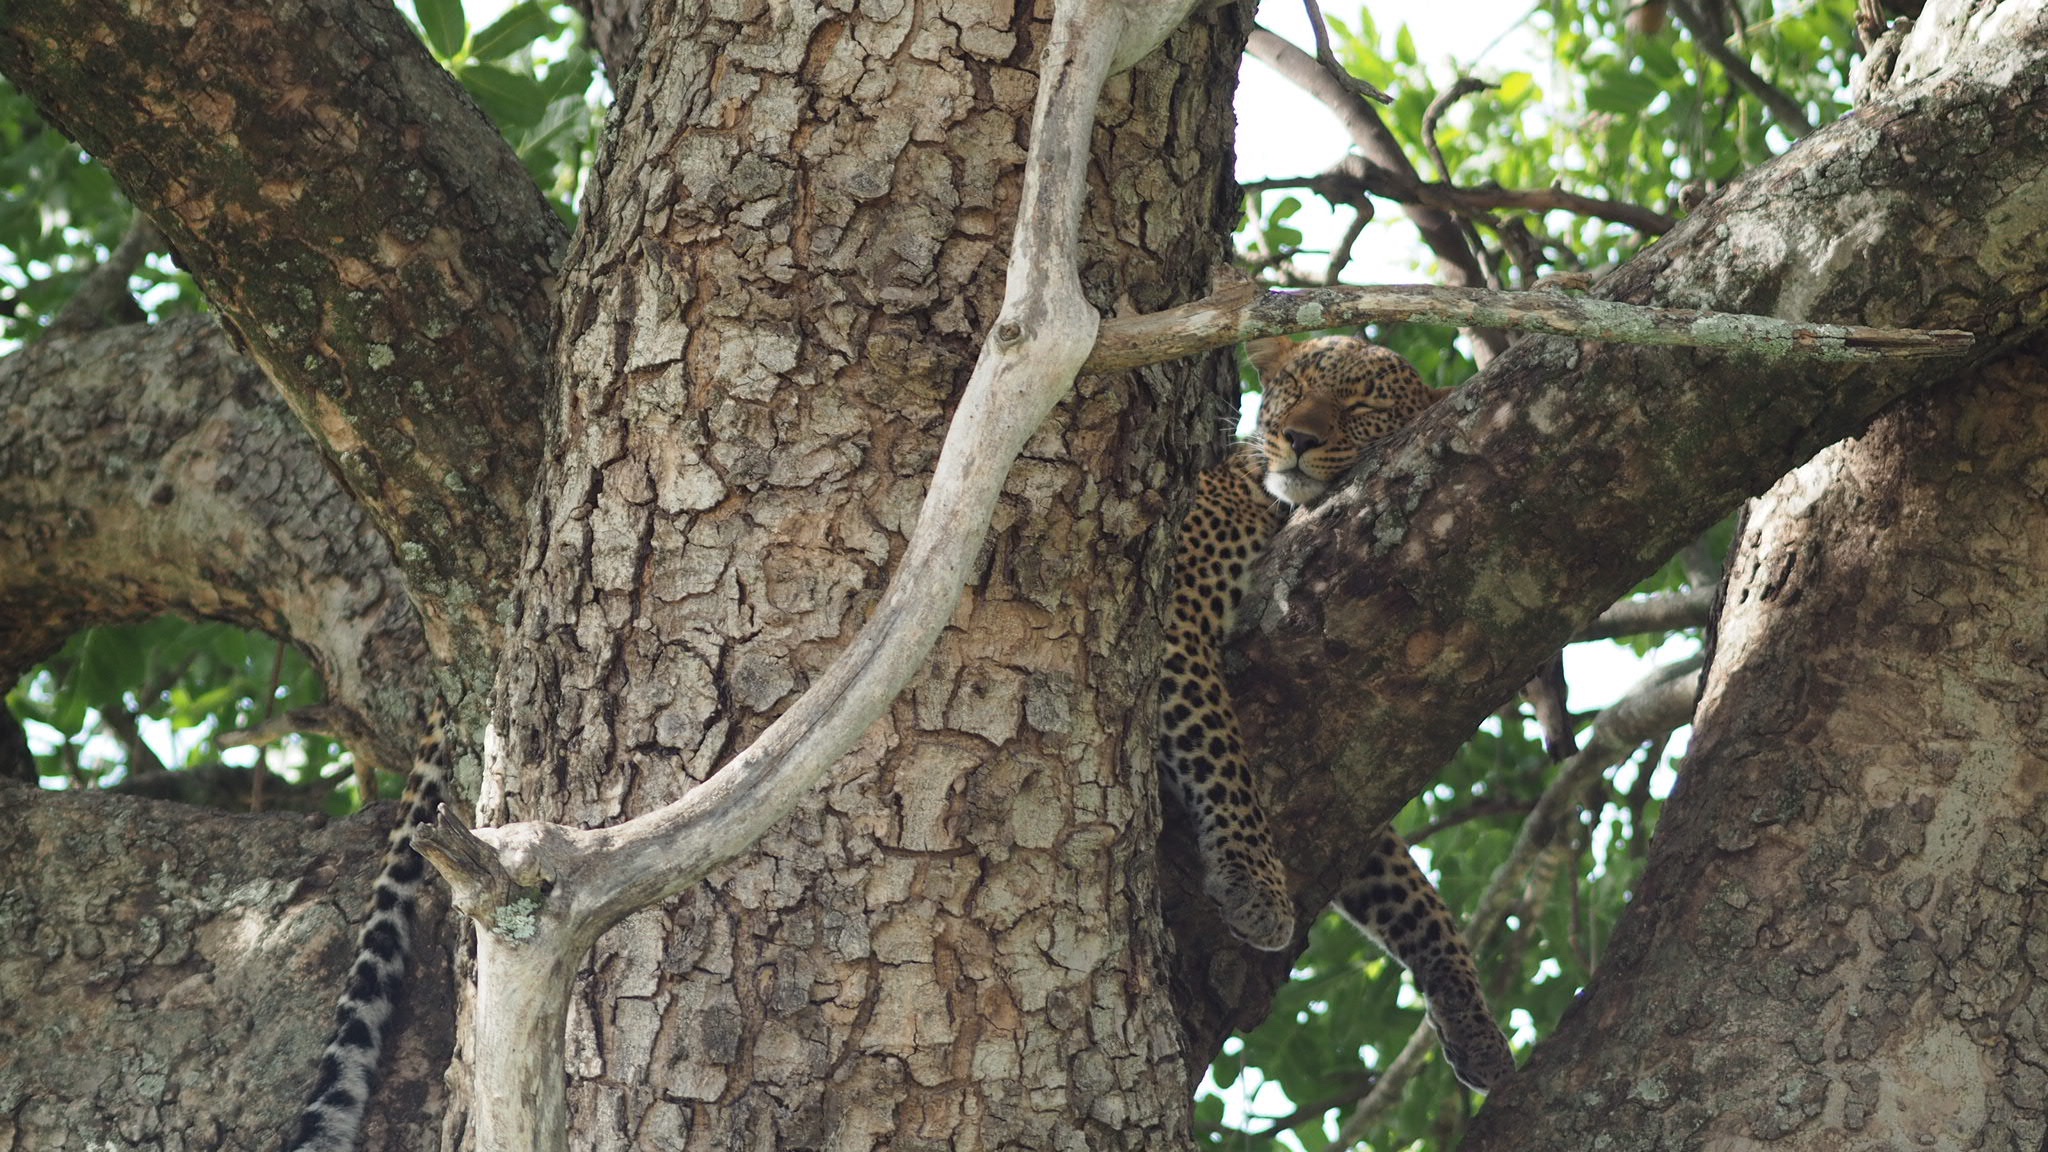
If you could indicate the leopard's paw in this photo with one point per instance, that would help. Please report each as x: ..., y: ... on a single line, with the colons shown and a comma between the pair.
x: 1475, y: 1047
x: 1258, y: 911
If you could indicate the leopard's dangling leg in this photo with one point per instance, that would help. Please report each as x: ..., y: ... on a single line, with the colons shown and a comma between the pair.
x: 1395, y: 904
x: 1203, y: 759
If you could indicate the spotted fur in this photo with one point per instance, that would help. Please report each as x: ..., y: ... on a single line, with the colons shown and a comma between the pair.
x: 1325, y: 402
x: 333, y: 1117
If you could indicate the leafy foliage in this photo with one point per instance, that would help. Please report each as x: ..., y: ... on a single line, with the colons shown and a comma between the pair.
x: 88, y: 706
x: 1632, y: 117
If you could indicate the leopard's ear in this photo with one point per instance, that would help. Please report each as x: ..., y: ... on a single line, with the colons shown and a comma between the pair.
x: 1269, y: 353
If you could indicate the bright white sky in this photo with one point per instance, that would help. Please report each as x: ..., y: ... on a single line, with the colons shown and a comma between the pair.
x: 1282, y: 132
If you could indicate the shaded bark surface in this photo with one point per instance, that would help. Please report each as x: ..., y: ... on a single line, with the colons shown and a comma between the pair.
x: 151, y: 469
x: 795, y: 248
x: 166, y: 973
x: 360, y: 226
x: 1841, y: 941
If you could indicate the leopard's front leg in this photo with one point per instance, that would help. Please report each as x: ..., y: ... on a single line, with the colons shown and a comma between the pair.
x: 1203, y: 759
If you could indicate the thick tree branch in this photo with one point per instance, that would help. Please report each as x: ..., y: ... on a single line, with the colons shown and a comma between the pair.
x: 403, y: 295
x: 1664, y: 612
x: 1235, y: 315
x: 1413, y: 602
x: 150, y: 469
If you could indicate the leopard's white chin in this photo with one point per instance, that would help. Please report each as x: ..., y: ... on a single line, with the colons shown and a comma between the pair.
x: 1295, y: 487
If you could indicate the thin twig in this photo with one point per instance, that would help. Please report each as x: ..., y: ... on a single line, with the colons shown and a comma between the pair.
x: 1313, y: 1110
x: 1465, y: 86
x: 1468, y: 220
x: 1787, y: 111
x: 1477, y: 810
x: 1328, y: 59
x: 1340, y: 256
x: 1219, y: 321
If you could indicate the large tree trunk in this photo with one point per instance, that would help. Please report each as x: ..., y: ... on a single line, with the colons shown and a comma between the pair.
x: 795, y: 249
x: 1842, y: 937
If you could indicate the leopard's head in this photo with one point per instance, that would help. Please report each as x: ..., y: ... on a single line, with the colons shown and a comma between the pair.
x: 1324, y: 401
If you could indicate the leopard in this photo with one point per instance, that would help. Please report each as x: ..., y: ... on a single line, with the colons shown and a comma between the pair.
x: 332, y: 1118
x: 1325, y: 401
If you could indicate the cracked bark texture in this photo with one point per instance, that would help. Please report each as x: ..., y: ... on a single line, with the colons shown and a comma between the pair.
x: 1841, y: 941
x: 150, y: 469
x: 164, y: 969
x: 793, y: 248
x: 401, y: 308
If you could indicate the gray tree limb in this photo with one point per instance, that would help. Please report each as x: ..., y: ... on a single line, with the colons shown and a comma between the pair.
x: 150, y: 469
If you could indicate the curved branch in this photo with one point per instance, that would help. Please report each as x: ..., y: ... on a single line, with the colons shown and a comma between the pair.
x: 150, y: 469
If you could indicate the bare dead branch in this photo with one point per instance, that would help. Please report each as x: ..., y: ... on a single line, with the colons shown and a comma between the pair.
x: 1644, y: 220
x: 1219, y: 321
x: 1664, y: 612
x: 1354, y: 177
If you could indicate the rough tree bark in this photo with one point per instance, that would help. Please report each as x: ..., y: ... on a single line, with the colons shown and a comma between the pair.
x: 761, y: 332
x: 765, y: 321
x: 1842, y: 938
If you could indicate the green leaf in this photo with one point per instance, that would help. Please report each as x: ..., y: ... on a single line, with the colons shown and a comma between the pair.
x: 513, y: 101
x: 444, y: 24
x: 520, y: 26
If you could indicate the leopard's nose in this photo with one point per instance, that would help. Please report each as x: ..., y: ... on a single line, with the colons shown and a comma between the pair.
x: 1301, y: 441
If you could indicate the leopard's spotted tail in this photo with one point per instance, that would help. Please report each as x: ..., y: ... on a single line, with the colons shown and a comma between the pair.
x: 1396, y: 905
x: 333, y: 1117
